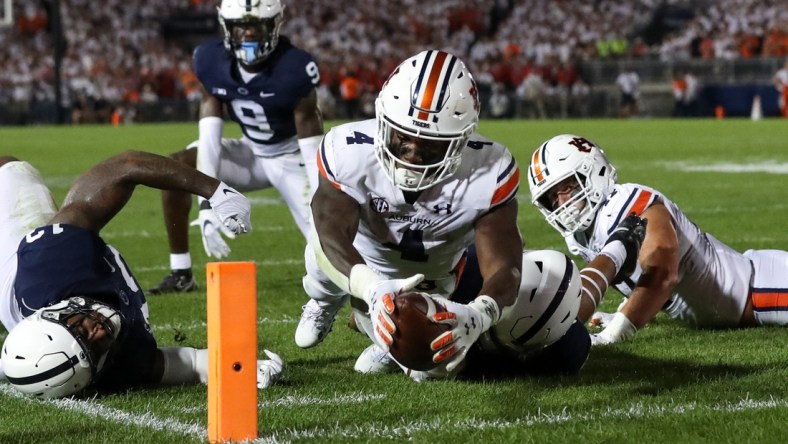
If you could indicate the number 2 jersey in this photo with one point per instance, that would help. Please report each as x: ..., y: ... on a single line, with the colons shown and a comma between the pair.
x: 431, y: 234
x: 714, y: 279
x: 264, y: 106
x: 58, y: 261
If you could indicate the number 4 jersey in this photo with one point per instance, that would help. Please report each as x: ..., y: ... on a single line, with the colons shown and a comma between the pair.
x: 429, y: 234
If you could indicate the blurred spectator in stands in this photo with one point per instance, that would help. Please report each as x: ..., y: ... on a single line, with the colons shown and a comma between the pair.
x: 530, y: 96
x: 580, y: 98
x: 628, y: 82
x: 686, y: 89
x: 326, y: 101
x: 499, y: 104
x: 350, y: 89
x: 781, y: 83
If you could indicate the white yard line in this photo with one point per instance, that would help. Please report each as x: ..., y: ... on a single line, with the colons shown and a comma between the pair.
x: 408, y: 429
x: 394, y: 431
x: 94, y: 409
x: 202, y: 324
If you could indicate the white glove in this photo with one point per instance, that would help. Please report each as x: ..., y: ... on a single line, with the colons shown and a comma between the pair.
x: 380, y: 299
x: 620, y: 328
x: 232, y: 208
x: 269, y: 370
x: 212, y: 230
x: 468, y: 322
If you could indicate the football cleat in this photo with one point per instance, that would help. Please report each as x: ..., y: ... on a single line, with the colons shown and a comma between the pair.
x: 375, y: 360
x: 178, y: 281
x: 316, y: 321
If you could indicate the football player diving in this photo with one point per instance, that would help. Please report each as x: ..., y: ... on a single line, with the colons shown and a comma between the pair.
x: 74, y: 311
x: 267, y: 86
x: 413, y: 200
x: 680, y: 269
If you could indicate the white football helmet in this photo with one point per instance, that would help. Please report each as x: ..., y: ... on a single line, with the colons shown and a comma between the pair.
x: 266, y: 14
x: 546, y: 305
x: 431, y: 95
x: 45, y: 357
x: 568, y: 156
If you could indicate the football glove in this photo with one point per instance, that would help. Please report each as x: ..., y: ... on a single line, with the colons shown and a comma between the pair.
x: 467, y: 323
x: 232, y: 208
x: 380, y: 298
x: 269, y: 370
x: 630, y: 233
x: 620, y: 328
x: 212, y: 230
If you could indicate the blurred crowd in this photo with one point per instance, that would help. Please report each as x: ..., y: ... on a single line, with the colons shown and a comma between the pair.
x: 116, y: 56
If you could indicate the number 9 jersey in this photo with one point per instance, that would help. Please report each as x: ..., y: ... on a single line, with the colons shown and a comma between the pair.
x: 263, y: 104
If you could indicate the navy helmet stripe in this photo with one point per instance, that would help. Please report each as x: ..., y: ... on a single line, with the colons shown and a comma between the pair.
x: 445, y: 86
x: 43, y: 376
x: 419, y: 81
x: 548, y: 313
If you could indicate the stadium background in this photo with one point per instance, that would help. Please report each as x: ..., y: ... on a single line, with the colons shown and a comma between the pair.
x: 671, y: 384
x: 132, y: 59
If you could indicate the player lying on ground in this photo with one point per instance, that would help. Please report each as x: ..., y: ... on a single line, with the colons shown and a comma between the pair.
x: 402, y: 199
x: 74, y: 311
x: 682, y: 270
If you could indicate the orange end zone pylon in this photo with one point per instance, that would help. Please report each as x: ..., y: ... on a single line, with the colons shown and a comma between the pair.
x: 232, y: 351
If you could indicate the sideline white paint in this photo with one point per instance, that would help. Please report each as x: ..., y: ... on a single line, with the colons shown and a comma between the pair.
x: 761, y: 167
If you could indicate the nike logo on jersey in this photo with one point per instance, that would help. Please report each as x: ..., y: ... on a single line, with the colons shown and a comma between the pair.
x: 111, y: 267
x: 228, y: 191
x: 264, y: 94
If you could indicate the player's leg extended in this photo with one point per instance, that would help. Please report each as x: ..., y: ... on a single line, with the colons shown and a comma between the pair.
x: 288, y: 175
x: 176, y: 206
x: 768, y: 302
x: 25, y: 204
x: 325, y: 301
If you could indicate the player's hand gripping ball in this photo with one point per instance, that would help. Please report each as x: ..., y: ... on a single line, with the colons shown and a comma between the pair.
x: 414, y: 330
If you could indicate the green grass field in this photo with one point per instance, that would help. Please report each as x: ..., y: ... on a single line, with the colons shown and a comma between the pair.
x: 670, y: 384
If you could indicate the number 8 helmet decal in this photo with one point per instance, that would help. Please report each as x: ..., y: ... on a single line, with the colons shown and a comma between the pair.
x: 561, y: 158
x: 431, y: 95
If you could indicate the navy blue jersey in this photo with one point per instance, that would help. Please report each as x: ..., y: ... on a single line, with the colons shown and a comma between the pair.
x: 58, y: 261
x: 264, y: 106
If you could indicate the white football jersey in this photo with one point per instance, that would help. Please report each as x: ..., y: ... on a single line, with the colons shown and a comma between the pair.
x: 430, y: 234
x: 714, y: 279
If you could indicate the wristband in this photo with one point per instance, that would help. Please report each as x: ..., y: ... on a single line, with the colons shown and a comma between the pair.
x: 489, y: 310
x: 616, y: 252
x: 361, y: 279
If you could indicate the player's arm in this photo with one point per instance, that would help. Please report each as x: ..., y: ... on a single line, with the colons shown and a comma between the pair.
x: 211, y: 126
x: 499, y: 248
x: 309, y: 128
x: 187, y: 365
x: 614, y: 263
x: 659, y: 261
x: 99, y: 194
x: 335, y: 217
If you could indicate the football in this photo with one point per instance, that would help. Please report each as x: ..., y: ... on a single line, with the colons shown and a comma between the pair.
x: 415, y: 330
